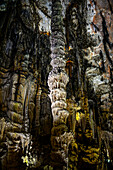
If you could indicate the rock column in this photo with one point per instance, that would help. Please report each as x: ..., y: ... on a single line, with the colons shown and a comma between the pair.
x: 57, y: 82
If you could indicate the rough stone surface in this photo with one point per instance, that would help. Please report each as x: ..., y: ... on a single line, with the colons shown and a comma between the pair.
x: 56, y: 84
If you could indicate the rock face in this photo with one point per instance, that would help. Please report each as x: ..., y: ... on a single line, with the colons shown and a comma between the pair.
x: 56, y: 84
x: 23, y: 85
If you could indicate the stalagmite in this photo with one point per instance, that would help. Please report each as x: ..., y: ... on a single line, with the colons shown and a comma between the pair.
x: 57, y: 82
x: 58, y: 78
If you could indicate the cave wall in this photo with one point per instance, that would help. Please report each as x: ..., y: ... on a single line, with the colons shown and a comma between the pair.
x: 26, y: 119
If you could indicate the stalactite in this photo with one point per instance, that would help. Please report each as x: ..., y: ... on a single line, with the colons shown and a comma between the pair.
x: 26, y: 128
x: 26, y: 122
x: 37, y: 122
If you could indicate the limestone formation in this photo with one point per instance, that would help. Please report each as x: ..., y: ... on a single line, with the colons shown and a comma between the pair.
x: 56, y: 84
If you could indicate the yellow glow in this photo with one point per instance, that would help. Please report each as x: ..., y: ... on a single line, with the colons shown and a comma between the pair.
x: 77, y: 116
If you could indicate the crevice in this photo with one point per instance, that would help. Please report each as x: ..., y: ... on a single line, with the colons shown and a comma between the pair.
x: 110, y: 7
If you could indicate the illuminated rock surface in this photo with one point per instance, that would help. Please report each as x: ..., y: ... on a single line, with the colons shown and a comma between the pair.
x: 56, y: 84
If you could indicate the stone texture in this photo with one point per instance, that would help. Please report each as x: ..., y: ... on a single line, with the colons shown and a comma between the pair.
x: 79, y: 63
